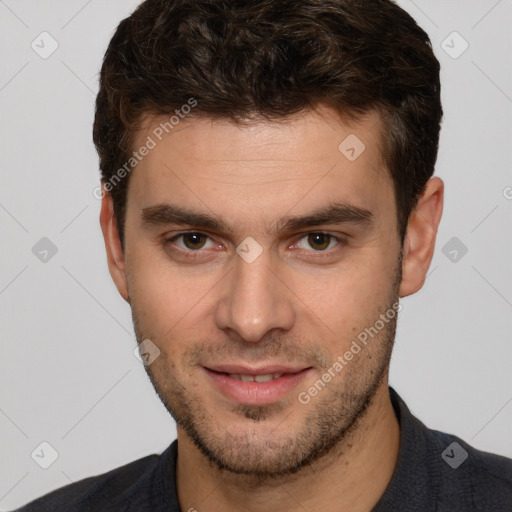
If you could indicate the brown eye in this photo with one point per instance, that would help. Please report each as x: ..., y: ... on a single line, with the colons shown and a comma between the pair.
x: 191, y: 245
x: 319, y: 241
x: 194, y: 241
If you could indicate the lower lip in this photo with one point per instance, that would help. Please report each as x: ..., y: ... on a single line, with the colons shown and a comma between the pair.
x: 257, y: 393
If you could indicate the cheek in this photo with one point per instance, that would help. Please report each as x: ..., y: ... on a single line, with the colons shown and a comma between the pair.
x: 342, y: 301
x: 164, y: 298
x: 154, y: 293
x: 362, y: 278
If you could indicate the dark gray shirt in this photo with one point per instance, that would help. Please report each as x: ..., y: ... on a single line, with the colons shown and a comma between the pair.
x: 435, y: 472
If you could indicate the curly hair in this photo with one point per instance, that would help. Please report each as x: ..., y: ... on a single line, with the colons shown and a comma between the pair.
x: 265, y: 59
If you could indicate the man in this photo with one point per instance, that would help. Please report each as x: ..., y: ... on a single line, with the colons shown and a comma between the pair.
x: 267, y: 199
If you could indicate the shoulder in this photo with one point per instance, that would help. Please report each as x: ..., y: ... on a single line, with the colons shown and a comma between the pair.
x: 480, y: 480
x: 131, y: 486
x: 439, y: 471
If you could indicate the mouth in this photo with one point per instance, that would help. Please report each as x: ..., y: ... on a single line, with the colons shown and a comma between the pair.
x: 256, y: 386
x: 255, y: 378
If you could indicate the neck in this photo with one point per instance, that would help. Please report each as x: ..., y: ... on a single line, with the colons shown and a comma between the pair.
x: 353, y: 476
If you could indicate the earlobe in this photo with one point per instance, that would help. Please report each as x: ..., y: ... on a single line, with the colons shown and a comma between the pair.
x: 115, y: 254
x: 420, y: 238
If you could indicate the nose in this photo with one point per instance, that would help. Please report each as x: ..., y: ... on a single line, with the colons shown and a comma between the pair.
x: 254, y: 301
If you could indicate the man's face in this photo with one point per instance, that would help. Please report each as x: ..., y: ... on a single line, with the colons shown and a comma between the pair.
x: 249, y: 288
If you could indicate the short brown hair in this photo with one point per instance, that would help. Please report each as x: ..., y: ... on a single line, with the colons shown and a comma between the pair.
x: 271, y: 59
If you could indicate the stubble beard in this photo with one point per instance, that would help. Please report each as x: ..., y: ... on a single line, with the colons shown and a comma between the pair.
x: 331, y: 417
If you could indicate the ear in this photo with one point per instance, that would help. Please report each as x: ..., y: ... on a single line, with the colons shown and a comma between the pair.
x: 115, y: 255
x: 420, y: 237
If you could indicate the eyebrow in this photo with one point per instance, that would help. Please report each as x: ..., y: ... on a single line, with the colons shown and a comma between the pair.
x: 169, y: 214
x: 334, y: 213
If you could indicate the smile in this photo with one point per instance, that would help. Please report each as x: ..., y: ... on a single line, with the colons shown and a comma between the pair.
x: 255, y: 378
x: 256, y: 386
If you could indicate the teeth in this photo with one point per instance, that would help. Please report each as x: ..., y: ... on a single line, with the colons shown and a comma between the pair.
x: 264, y: 378
x: 255, y: 378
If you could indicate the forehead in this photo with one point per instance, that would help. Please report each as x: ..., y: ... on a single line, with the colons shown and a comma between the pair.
x: 263, y: 166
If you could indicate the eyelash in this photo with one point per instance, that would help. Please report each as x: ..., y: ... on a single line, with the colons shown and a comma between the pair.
x: 189, y: 253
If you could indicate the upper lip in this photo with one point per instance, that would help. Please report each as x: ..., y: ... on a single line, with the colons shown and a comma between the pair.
x: 252, y: 370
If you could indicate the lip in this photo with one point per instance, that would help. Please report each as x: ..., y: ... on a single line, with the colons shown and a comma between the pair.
x: 253, y: 370
x: 255, y: 393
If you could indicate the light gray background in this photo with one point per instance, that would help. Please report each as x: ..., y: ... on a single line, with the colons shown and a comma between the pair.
x: 67, y: 369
